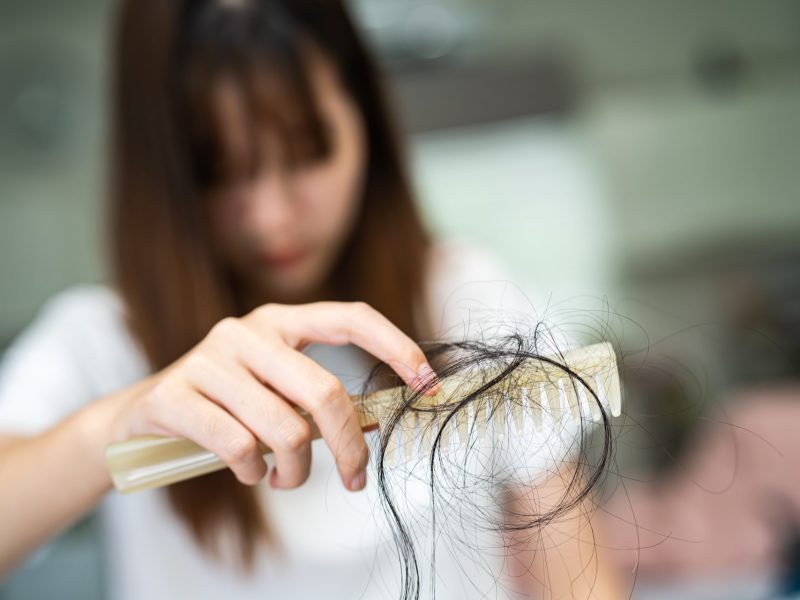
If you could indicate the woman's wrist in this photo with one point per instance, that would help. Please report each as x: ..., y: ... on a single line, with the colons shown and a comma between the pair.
x: 99, y: 424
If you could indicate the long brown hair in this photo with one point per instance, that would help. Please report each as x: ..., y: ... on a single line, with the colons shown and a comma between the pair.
x: 170, y: 55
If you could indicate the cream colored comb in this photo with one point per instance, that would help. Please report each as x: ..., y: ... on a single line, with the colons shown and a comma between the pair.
x: 535, y: 388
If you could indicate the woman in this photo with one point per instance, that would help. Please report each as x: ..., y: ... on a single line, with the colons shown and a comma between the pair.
x: 255, y: 174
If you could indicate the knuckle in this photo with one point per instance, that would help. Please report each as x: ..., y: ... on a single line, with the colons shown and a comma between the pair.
x: 294, y: 433
x: 266, y: 312
x: 163, y: 392
x: 240, y: 449
x: 209, y: 431
x: 225, y: 329
x: 362, y: 310
x: 160, y: 406
x: 329, y: 391
x: 196, y: 364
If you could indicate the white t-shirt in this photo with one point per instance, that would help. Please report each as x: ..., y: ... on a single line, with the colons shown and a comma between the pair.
x: 334, y: 543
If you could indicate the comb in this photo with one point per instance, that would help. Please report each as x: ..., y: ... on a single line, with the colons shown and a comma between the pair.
x: 534, y: 389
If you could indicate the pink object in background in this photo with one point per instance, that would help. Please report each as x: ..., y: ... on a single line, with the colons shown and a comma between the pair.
x: 729, y: 506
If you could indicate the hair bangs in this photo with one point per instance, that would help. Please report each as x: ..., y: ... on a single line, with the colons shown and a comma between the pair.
x: 248, y: 95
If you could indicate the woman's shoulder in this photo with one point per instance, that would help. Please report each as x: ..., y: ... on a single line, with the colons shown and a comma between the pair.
x: 80, y: 313
x: 83, y: 302
x: 93, y: 317
x: 88, y: 324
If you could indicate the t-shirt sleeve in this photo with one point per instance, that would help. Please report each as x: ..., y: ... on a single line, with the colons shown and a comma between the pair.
x: 67, y: 357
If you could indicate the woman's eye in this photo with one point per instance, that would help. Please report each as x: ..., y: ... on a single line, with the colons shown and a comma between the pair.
x: 304, y: 151
x: 310, y: 148
x: 308, y: 155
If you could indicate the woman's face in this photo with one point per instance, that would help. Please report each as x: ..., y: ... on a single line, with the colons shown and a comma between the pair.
x: 282, y: 231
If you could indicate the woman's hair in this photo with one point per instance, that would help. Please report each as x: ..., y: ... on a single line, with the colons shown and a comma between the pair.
x: 169, y: 152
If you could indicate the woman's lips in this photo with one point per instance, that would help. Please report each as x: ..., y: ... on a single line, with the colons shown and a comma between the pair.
x: 283, y: 259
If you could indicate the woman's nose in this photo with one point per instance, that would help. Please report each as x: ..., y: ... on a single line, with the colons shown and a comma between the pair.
x: 272, y: 210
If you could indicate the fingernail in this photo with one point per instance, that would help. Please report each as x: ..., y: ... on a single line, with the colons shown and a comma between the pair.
x: 427, y: 380
x: 359, y: 482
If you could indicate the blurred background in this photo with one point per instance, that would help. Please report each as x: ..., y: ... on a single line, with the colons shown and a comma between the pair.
x: 641, y: 159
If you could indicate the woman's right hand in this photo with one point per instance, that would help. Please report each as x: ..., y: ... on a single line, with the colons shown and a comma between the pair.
x: 239, y: 384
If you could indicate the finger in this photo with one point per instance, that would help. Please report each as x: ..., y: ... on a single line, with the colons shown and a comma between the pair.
x: 304, y: 382
x: 184, y: 412
x: 262, y: 411
x: 340, y: 323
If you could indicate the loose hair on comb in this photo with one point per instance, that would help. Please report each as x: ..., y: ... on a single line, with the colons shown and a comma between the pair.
x: 467, y: 480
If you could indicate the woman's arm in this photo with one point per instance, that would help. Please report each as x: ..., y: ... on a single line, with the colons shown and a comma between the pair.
x: 50, y: 480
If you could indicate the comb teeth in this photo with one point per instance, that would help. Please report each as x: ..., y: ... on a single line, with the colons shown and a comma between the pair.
x: 532, y: 409
x: 518, y: 413
x: 569, y: 398
x: 409, y: 431
x: 426, y: 431
x: 462, y: 427
x: 481, y: 419
x: 551, y: 398
x: 498, y: 415
x: 588, y: 405
x: 445, y: 427
x: 538, y: 389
